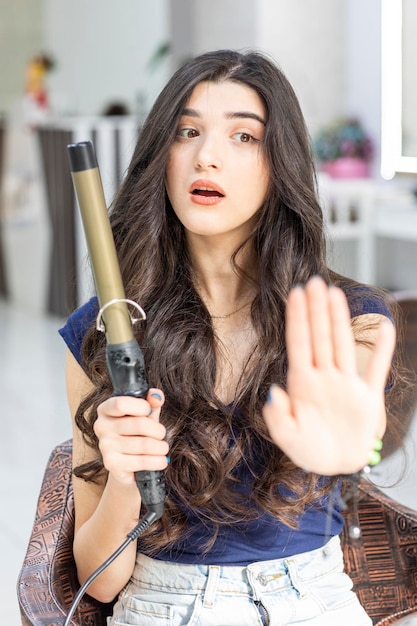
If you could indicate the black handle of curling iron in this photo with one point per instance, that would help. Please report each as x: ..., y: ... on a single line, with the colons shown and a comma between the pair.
x: 127, y: 371
x: 124, y: 356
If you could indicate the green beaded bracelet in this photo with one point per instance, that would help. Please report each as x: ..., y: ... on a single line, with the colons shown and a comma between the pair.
x: 375, y: 455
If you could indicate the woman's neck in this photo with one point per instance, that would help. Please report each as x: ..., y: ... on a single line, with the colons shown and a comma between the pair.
x: 223, y: 289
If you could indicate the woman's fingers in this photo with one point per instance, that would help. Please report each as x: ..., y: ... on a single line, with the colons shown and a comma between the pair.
x: 130, y: 416
x: 277, y: 415
x: 344, y: 355
x: 298, y: 336
x: 131, y: 438
x: 122, y: 406
x: 144, y: 444
x: 318, y: 328
x: 319, y: 319
x: 128, y: 426
x: 156, y: 399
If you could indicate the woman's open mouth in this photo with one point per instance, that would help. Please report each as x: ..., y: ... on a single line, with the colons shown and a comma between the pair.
x: 205, y: 192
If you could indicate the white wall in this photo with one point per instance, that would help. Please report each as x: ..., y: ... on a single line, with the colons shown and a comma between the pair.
x: 363, y: 67
x: 228, y: 24
x: 306, y: 38
x: 103, y: 49
x: 22, y: 35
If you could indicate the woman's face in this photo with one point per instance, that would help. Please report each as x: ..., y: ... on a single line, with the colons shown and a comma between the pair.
x: 217, y: 175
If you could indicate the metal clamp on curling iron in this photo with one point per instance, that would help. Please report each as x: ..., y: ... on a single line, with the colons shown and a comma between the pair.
x: 124, y: 357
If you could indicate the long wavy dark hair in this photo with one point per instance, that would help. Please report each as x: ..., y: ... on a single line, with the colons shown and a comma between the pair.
x: 209, y: 441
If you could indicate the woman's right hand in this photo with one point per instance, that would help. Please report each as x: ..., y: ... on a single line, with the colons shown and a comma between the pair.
x: 131, y: 438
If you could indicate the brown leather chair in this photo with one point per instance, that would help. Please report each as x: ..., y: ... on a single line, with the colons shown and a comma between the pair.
x: 409, y: 620
x: 382, y: 562
x: 48, y: 579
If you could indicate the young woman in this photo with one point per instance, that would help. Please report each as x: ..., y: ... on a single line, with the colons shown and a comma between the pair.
x: 268, y: 371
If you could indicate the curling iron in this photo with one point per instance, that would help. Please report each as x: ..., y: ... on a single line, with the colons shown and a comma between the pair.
x: 124, y: 357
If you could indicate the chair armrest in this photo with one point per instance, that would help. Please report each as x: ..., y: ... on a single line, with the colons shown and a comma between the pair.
x: 48, y: 578
x: 382, y: 562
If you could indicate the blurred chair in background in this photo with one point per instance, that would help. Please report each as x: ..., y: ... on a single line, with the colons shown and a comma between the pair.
x: 348, y: 207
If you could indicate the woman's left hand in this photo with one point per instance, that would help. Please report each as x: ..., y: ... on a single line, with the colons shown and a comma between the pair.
x: 329, y: 417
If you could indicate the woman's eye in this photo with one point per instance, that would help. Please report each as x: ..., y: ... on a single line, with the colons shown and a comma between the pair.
x: 188, y: 133
x: 244, y: 137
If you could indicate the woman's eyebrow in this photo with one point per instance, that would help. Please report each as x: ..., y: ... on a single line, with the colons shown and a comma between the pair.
x: 244, y: 115
x: 190, y: 113
x: 232, y: 115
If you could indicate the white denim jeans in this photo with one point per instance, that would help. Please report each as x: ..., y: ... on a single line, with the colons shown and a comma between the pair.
x: 309, y: 589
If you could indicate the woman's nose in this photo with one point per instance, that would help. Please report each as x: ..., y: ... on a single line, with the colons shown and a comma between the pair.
x: 209, y: 154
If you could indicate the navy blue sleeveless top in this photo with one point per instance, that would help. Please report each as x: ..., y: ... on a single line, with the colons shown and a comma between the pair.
x: 263, y: 538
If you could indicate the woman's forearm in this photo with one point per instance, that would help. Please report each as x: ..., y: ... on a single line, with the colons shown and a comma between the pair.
x: 117, y: 513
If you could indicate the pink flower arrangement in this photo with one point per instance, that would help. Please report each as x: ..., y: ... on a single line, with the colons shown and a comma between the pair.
x: 343, y: 139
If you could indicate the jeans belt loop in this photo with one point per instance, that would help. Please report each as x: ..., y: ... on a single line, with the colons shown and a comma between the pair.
x: 211, y: 586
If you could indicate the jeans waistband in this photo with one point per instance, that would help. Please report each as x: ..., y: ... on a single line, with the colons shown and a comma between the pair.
x: 262, y: 576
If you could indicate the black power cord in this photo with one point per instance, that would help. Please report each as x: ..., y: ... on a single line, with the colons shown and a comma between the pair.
x: 148, y: 519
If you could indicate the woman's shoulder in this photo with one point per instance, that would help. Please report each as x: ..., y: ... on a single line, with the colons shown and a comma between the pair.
x: 365, y: 299
x: 77, y: 325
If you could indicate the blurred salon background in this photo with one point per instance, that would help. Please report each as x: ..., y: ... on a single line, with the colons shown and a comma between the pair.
x: 91, y: 69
